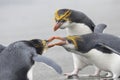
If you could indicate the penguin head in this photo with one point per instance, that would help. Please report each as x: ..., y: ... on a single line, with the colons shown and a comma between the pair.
x: 39, y: 45
x: 73, y: 40
x: 66, y: 17
x: 74, y: 44
x: 62, y: 18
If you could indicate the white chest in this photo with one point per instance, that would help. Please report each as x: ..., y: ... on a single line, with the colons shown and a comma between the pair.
x: 78, y: 29
x: 107, y: 62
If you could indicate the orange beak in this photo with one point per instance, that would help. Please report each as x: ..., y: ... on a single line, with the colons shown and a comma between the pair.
x: 57, y: 26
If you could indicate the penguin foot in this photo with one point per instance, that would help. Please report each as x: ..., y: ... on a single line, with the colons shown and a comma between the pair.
x: 94, y: 75
x: 71, y: 75
x: 105, y: 75
x: 98, y: 75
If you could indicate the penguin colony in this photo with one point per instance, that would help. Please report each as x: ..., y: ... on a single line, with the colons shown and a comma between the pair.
x: 87, y: 42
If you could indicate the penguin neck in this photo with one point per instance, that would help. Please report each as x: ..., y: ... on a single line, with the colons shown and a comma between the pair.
x: 78, y: 29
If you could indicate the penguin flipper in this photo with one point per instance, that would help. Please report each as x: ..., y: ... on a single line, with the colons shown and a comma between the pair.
x: 106, y: 48
x: 49, y: 62
x: 99, y: 28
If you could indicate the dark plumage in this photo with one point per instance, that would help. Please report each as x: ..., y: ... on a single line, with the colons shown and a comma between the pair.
x: 18, y: 58
x: 99, y: 28
x: 2, y: 48
x: 95, y: 40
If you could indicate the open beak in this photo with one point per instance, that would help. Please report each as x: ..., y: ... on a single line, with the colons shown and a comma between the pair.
x: 62, y: 42
x: 57, y: 26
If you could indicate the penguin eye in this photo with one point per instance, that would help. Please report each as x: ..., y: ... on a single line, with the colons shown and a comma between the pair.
x: 62, y: 21
x: 70, y: 41
x: 56, y: 20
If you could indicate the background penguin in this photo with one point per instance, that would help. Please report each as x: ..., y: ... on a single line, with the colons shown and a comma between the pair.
x: 103, y: 50
x: 18, y: 58
x: 75, y: 23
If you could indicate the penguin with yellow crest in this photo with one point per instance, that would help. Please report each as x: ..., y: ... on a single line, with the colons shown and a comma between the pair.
x: 75, y: 23
x: 102, y: 50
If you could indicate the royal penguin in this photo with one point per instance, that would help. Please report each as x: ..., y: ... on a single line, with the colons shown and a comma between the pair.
x: 17, y: 59
x: 102, y: 50
x: 75, y: 23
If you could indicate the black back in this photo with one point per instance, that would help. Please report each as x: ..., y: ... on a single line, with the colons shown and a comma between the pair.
x: 90, y: 41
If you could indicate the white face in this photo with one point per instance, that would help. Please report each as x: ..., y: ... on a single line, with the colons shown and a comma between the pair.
x: 69, y: 47
x: 65, y: 25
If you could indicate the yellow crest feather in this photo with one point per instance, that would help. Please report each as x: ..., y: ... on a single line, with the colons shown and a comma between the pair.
x: 73, y: 39
x: 64, y: 16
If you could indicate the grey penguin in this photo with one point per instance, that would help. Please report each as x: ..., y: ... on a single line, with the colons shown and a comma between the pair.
x: 103, y: 50
x: 75, y: 23
x: 17, y: 59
